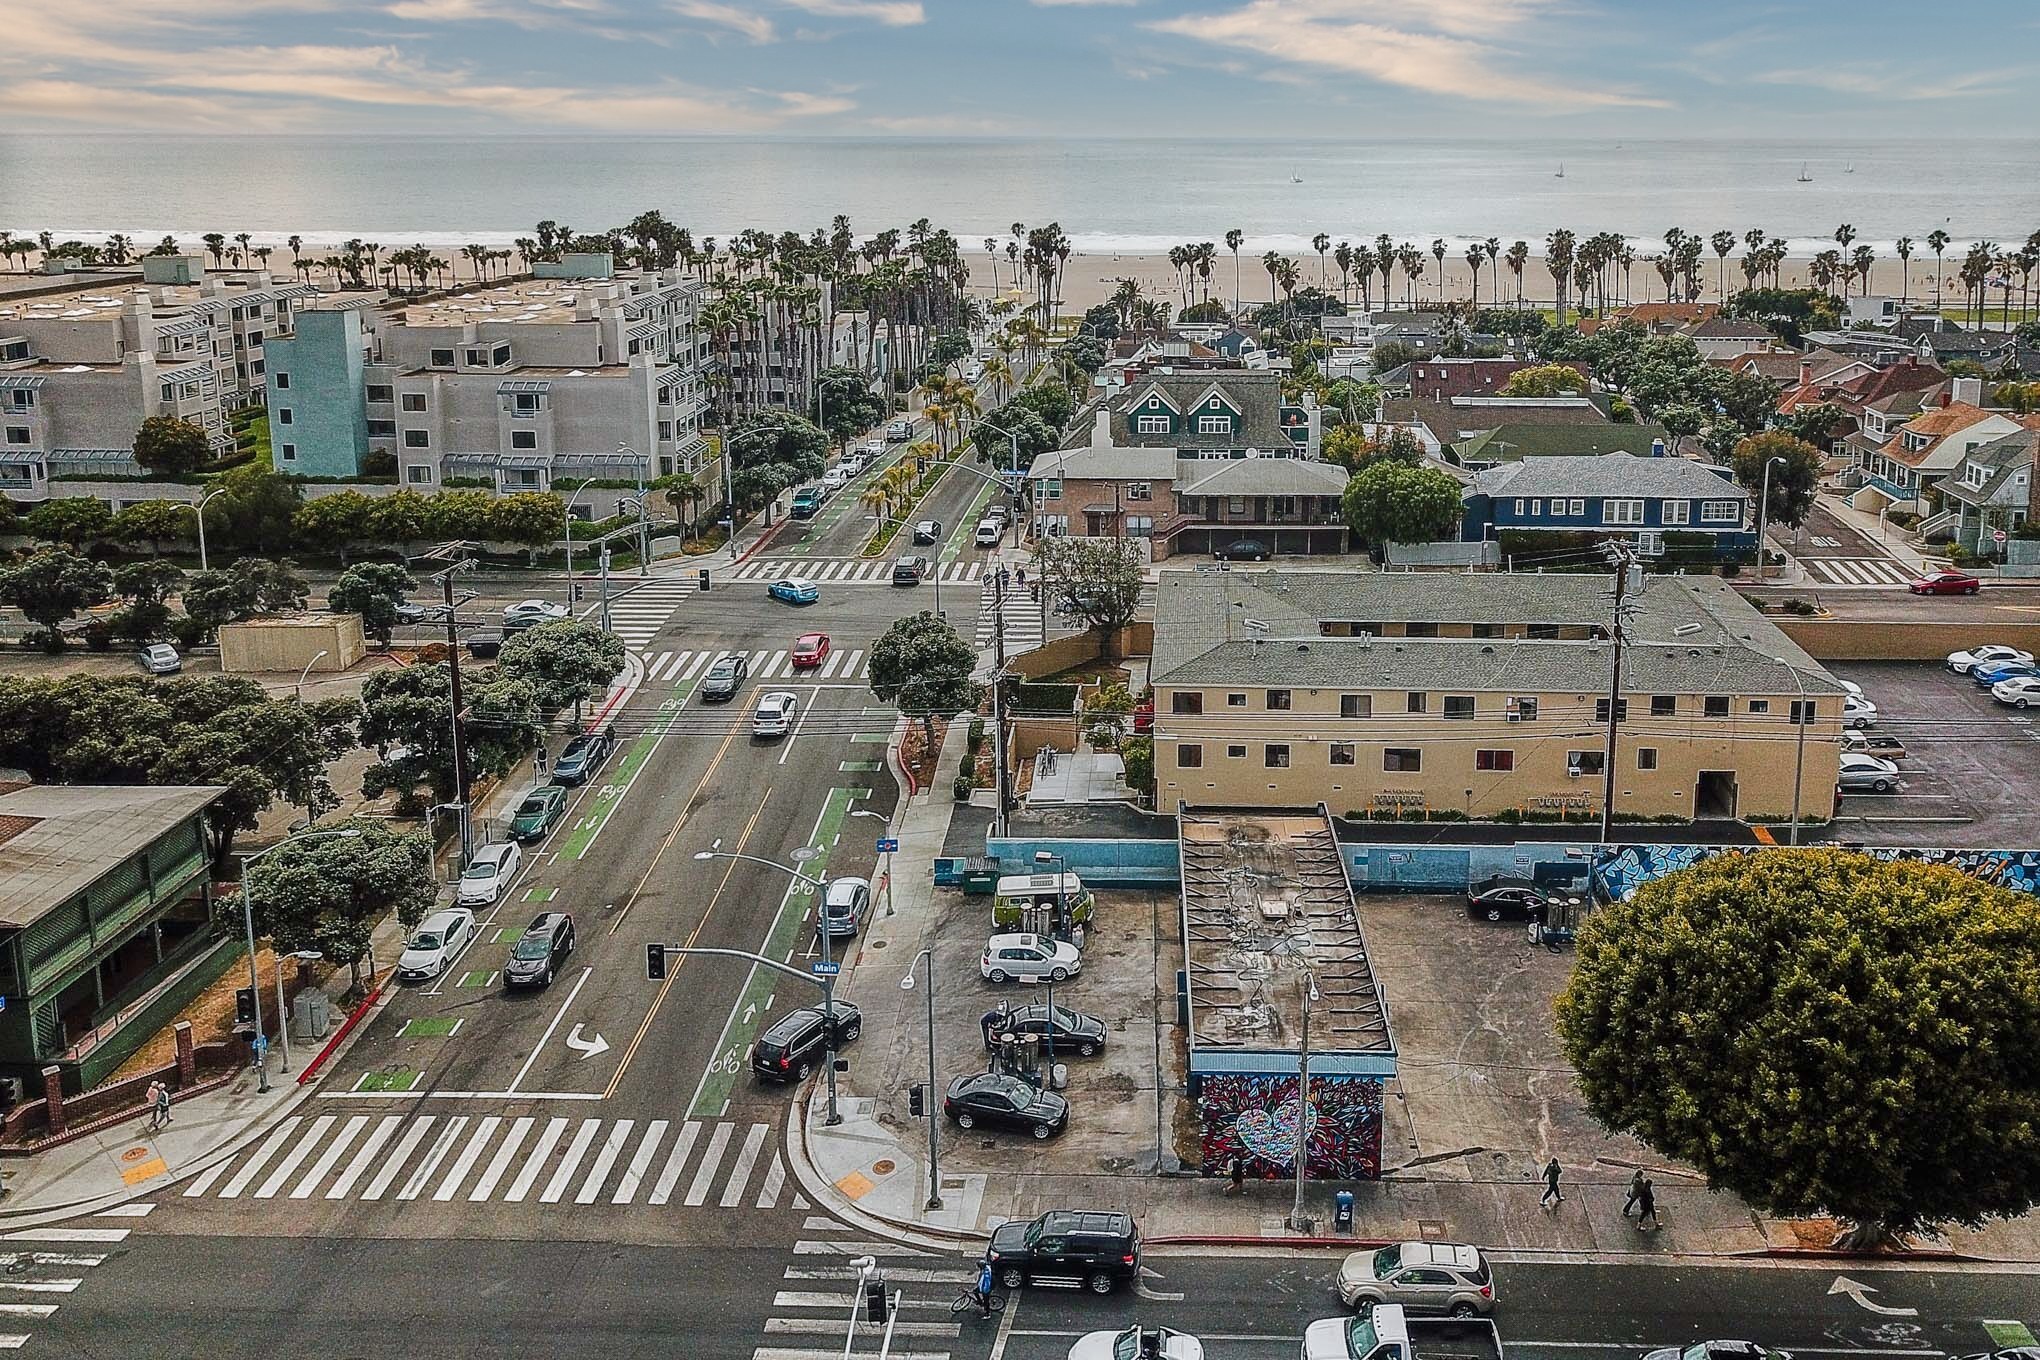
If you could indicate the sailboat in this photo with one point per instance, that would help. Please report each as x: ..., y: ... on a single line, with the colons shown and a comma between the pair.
x: 1851, y: 170
x: 1561, y: 171
x: 1804, y: 178
x: 1296, y: 179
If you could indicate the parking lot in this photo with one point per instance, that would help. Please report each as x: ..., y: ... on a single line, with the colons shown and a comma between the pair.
x: 1969, y: 775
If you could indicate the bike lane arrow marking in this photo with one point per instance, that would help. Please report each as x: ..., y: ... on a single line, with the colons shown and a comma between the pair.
x: 1861, y: 1293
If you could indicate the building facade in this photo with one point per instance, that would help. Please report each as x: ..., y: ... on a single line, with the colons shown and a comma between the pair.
x: 1643, y: 499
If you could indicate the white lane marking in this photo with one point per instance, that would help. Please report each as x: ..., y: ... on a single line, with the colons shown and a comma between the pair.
x: 501, y: 1161
x: 640, y: 1162
x: 670, y: 1176
x: 564, y: 1172
x: 400, y: 1154
x: 142, y: 1210
x: 605, y: 1158
x: 206, y: 1179
x: 806, y: 1247
x: 897, y: 1274
x: 775, y: 1181
x: 28, y: 1310
x: 268, y: 1149
x: 787, y: 748
x: 354, y: 1125
x: 705, y: 1173
x: 42, y: 1286
x: 850, y: 666
x: 829, y: 664
x: 559, y: 1014
x: 740, y: 1174
x: 527, y: 1175
x: 441, y: 1145
x: 804, y: 1298
x: 362, y: 1158
x: 771, y: 667
x: 823, y: 1326
x: 47, y: 1258
x: 465, y: 1163
x: 295, y: 1158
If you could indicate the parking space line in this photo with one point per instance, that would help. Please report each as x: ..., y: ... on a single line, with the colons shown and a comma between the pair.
x: 527, y: 1175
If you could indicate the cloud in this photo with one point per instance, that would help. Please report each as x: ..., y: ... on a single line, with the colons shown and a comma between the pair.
x: 752, y: 25
x: 891, y: 13
x: 1448, y: 55
x: 1058, y: 4
x: 1882, y: 82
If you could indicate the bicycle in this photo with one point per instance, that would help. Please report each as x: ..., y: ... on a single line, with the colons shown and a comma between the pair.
x: 989, y: 1305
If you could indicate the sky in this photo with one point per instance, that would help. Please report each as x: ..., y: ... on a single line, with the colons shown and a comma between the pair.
x: 1506, y: 69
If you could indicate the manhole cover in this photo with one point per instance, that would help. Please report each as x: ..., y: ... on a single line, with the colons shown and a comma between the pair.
x: 877, y: 944
x: 884, y: 1168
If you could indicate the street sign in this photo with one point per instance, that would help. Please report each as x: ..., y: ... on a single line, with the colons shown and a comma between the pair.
x: 1997, y: 535
x: 888, y: 844
x: 825, y: 968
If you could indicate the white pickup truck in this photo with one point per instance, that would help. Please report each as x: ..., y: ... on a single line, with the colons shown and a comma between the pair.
x: 1385, y: 1332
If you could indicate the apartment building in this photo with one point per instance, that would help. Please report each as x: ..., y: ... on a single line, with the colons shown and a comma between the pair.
x: 1482, y: 695
x: 521, y: 385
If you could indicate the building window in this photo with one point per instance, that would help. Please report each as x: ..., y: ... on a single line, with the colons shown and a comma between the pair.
x: 1675, y: 512
x: 1420, y: 630
x: 1275, y: 755
x: 1760, y: 705
x: 1537, y: 507
x: 1236, y: 752
x: 524, y: 439
x: 381, y: 392
x: 1519, y: 507
x: 1720, y: 512
x: 1236, y: 700
x: 1214, y: 424
x: 1403, y: 759
x: 1804, y: 711
x: 414, y: 401
x: 1356, y: 705
x: 502, y: 354
x: 382, y: 429
x: 1586, y: 762
x: 417, y: 439
x: 1459, y: 706
x: 1186, y: 701
x: 1664, y: 705
x: 282, y: 380
x: 1140, y: 491
x: 442, y: 358
x: 1278, y: 699
x: 1601, y: 710
x: 1189, y: 756
x: 1418, y: 701
x: 283, y: 416
x: 418, y: 473
x: 526, y: 402
x: 1542, y: 632
x: 1151, y: 425
x: 1140, y: 526
x: 17, y: 434
x: 1646, y: 757
x: 1578, y: 507
x: 1621, y: 511
x: 1523, y: 709
x: 1487, y: 630
x: 289, y: 452
x: 1342, y: 753
x: 1715, y: 706
x: 1494, y: 760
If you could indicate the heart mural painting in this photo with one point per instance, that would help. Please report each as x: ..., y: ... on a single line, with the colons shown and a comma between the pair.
x: 1256, y: 1119
x: 1271, y: 1134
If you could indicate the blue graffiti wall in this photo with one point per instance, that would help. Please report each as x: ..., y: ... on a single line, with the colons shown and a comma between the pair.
x: 1619, y: 870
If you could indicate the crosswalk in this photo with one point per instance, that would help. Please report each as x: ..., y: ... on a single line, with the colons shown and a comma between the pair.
x: 839, y: 571
x: 810, y: 1315
x: 674, y: 668
x: 1857, y: 571
x: 638, y: 616
x: 526, y: 1159
x: 41, y: 1267
x: 1020, y: 615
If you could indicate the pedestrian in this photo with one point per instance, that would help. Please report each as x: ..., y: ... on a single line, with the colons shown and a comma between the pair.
x: 1551, y: 1198
x: 1020, y: 575
x: 1004, y: 577
x: 1236, y: 1169
x: 984, y: 1285
x: 159, y: 1105
x: 1636, y: 1184
x: 1646, y: 1206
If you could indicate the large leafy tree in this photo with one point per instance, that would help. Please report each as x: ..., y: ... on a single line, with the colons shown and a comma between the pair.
x: 153, y: 523
x: 924, y: 669
x: 372, y: 590
x: 464, y: 513
x: 251, y: 586
x: 1389, y: 501
x: 849, y: 406
x: 51, y: 585
x: 1793, y: 482
x: 406, y: 718
x: 257, y: 508
x: 334, y: 523
x: 779, y: 437
x: 1545, y: 380
x: 565, y: 663
x: 398, y: 520
x: 171, y: 446
x: 530, y: 519
x: 73, y: 520
x: 1821, y: 1033
x: 328, y: 893
x: 146, y: 588
x: 1095, y: 579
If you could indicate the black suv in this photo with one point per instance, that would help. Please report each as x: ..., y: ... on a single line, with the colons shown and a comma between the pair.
x: 1100, y: 1251
x: 725, y: 677
x: 540, y: 951
x: 583, y: 756
x: 796, y: 1044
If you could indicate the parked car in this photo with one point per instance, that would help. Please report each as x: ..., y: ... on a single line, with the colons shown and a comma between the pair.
x: 1960, y: 662
x: 583, y: 756
x: 485, y: 644
x: 846, y: 905
x: 540, y: 951
x: 1072, y: 1031
x: 723, y: 679
x: 489, y: 873
x: 537, y: 813
x: 858, y: 459
x: 809, y: 650
x: 1243, y: 550
x: 1876, y: 744
x: 989, y: 532
x: 531, y: 613
x: 899, y: 431
x: 997, y: 510
x: 808, y: 501
x: 2021, y: 691
x: 1510, y: 902
x: 1144, y: 717
x: 1424, y: 1277
x: 908, y: 570
x: 1029, y: 958
x: 1718, y: 1350
x: 928, y: 531
x: 1858, y: 712
x: 1862, y: 773
x: 836, y: 478
x: 794, y: 590
x: 792, y: 1046
x: 1138, y: 1343
x: 1945, y: 583
x: 1990, y: 672
x: 1099, y: 1250
x: 773, y: 716
x: 1002, y: 1102
x: 159, y: 658
x: 431, y: 949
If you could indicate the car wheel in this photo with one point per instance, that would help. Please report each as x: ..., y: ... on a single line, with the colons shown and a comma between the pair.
x: 1494, y: 913
x: 1882, y: 786
x: 1969, y: 590
x: 1098, y: 1282
x: 965, y: 1120
x: 1365, y: 1303
x: 997, y: 975
x: 805, y: 1070
x: 1012, y: 1277
x: 850, y: 1033
x: 1041, y: 1132
x: 1463, y: 1309
x: 548, y: 977
x: 1058, y: 975
x: 1086, y: 1049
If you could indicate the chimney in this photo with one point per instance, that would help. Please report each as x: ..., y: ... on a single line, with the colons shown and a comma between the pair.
x: 1657, y: 448
x: 1101, y: 429
x: 1805, y: 372
x: 1968, y: 389
x: 1944, y: 396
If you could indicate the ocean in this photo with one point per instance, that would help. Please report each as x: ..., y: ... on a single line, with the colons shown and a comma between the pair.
x: 1112, y: 196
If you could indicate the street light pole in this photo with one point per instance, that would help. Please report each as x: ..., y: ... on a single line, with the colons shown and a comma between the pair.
x: 1799, y: 746
x: 1310, y: 996
x: 881, y: 817
x: 644, y: 535
x: 928, y: 1105
x: 198, y: 509
x: 298, y: 689
x: 254, y: 979
x: 1763, y: 512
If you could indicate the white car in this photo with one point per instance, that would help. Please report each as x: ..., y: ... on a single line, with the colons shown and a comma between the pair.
x: 855, y: 461
x: 2021, y: 691
x: 774, y: 714
x: 1029, y: 958
x: 489, y: 872
x: 531, y: 613
x: 1991, y: 654
x: 160, y: 658
x: 989, y: 532
x: 1138, y: 1343
x: 1858, y: 712
x: 836, y: 478
x: 430, y: 952
x: 1860, y: 771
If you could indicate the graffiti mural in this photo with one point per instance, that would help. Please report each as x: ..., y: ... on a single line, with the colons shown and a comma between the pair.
x: 1257, y: 1118
x: 1619, y: 870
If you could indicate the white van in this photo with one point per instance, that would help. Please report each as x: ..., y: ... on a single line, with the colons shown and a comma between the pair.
x: 989, y: 532
x: 899, y: 431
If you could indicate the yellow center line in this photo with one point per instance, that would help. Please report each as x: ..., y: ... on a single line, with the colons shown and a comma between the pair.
x: 686, y: 811
x: 675, y: 965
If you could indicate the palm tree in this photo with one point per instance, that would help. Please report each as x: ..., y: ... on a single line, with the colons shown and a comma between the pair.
x: 1412, y: 261
x: 297, y: 245
x: 216, y: 245
x: 999, y: 374
x: 1904, y: 248
x: 1438, y: 249
x: 1271, y: 262
x: 1844, y: 234
x: 1474, y: 256
x: 1937, y: 241
x: 1558, y: 258
x: 1363, y: 274
x: 1234, y: 238
x: 1343, y: 258
x: 1518, y: 257
x: 1493, y: 246
x: 1723, y: 242
x: 1862, y: 259
x: 1385, y: 258
x: 242, y: 238
x: 1207, y: 257
x: 1321, y: 243
x: 117, y: 248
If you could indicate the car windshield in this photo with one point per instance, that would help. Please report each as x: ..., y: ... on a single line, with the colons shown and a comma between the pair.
x: 425, y: 939
x: 1360, y: 1336
x: 532, y: 807
x: 1697, y: 1352
x: 532, y: 947
x: 482, y: 868
x: 722, y: 670
x: 1386, y: 1262
x: 1064, y: 1018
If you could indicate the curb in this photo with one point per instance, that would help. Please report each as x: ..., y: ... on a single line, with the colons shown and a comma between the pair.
x: 354, y: 1017
x: 826, y: 1197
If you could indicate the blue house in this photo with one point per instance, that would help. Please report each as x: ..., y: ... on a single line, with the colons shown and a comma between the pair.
x: 1645, y: 498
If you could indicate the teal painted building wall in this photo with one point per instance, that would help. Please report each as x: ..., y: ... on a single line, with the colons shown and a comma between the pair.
x: 318, y: 410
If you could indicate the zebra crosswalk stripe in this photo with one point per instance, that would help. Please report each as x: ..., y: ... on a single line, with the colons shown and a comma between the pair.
x: 740, y: 1174
x: 670, y: 1177
x: 295, y: 1157
x: 330, y: 1157
x: 484, y: 1131
x: 571, y: 1163
x: 648, y: 1147
x: 705, y: 1176
x: 422, y: 1177
x: 234, y: 1187
x: 500, y: 1163
x: 604, y: 1159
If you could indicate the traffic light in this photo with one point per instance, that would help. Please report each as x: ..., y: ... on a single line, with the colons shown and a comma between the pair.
x: 874, y: 1301
x: 917, y: 1100
x: 655, y: 961
x: 244, y: 1006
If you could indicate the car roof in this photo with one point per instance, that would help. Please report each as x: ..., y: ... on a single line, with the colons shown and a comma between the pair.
x: 806, y: 638
x: 495, y: 850
x: 725, y: 663
x: 1451, y: 1255
x: 440, y: 920
x: 797, y: 582
x: 778, y: 698
x: 546, y: 922
x: 847, y: 883
x: 1085, y: 1220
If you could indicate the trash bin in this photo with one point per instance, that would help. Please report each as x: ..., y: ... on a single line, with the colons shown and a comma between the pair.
x: 1342, y: 1211
x: 1058, y: 1076
x: 980, y: 876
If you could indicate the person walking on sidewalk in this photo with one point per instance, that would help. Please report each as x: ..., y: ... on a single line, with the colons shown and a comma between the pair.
x: 1646, y: 1206
x: 1551, y: 1198
x: 1236, y: 1171
x: 1636, y: 1184
x: 159, y: 1106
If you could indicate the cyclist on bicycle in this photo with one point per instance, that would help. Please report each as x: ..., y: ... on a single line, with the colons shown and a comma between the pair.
x: 984, y: 1285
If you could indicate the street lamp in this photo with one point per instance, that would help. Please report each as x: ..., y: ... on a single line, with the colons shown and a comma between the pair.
x: 644, y: 533
x: 828, y: 965
x: 907, y: 985
x: 1763, y: 510
x: 198, y: 508
x: 248, y: 920
x: 881, y: 817
x: 1310, y: 997
x: 298, y: 689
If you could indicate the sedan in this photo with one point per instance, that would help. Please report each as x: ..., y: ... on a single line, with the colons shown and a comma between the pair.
x: 1719, y: 1350
x: 531, y: 613
x: 1960, y: 662
x: 1989, y: 673
x: 1861, y: 772
x: 537, y: 813
x: 1000, y: 1101
x: 1244, y: 550
x: 809, y: 649
x: 488, y: 873
x: 725, y: 677
x: 794, y: 590
x: 1945, y: 583
x: 2021, y: 691
x: 928, y: 531
x: 1073, y: 1031
x: 1876, y: 744
x: 431, y: 950
x: 1510, y: 903
x: 1858, y: 712
x: 583, y: 756
x: 1139, y: 1343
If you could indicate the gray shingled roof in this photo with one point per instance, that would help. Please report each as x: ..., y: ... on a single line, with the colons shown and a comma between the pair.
x: 1260, y: 477
x: 1106, y: 464
x: 1609, y: 474
x: 80, y: 834
x: 1514, y: 441
x: 1256, y: 393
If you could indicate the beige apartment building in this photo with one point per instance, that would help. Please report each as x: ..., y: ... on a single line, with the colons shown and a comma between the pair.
x: 1482, y: 695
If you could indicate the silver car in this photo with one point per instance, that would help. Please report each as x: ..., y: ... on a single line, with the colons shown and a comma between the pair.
x: 1424, y: 1277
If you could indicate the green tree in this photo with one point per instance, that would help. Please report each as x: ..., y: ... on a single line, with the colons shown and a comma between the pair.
x: 398, y: 520
x: 849, y: 406
x: 75, y: 520
x: 530, y: 519
x: 153, y: 523
x: 51, y: 585
x: 408, y: 709
x: 463, y: 514
x: 779, y: 437
x: 1545, y: 380
x: 1393, y: 502
x: 1032, y: 436
x: 1352, y: 448
x: 1821, y: 1032
x: 372, y: 590
x: 146, y: 588
x: 334, y: 523
x: 329, y: 893
x: 1052, y: 401
x: 1392, y: 354
x: 257, y: 509
x: 924, y: 669
x: 1095, y: 579
x: 564, y: 663
x: 1793, y: 482
x: 1138, y: 756
x: 171, y: 447
x: 1817, y: 424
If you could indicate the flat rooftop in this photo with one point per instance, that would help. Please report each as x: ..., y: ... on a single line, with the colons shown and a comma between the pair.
x: 58, y: 839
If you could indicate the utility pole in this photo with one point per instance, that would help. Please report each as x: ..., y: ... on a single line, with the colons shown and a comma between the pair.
x: 1623, y: 557
x: 998, y: 705
x: 1309, y: 994
x: 460, y: 777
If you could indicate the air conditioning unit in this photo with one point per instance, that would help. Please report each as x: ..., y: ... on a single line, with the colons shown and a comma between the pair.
x: 1514, y: 716
x: 1572, y: 772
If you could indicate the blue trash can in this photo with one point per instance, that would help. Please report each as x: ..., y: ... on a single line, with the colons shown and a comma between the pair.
x: 1342, y: 1211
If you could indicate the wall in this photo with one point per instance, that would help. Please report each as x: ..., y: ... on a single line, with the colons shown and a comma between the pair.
x: 1078, y: 649
x: 1254, y: 1116
x: 329, y: 415
x: 281, y: 645
x: 1860, y: 640
x: 1101, y: 863
x: 1454, y: 868
x: 1620, y: 870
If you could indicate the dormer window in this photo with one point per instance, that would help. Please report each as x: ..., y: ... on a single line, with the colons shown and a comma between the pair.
x: 1214, y: 425
x: 1151, y: 425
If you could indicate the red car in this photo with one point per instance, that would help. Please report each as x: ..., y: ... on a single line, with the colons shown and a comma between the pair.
x: 1945, y: 583
x: 810, y: 648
